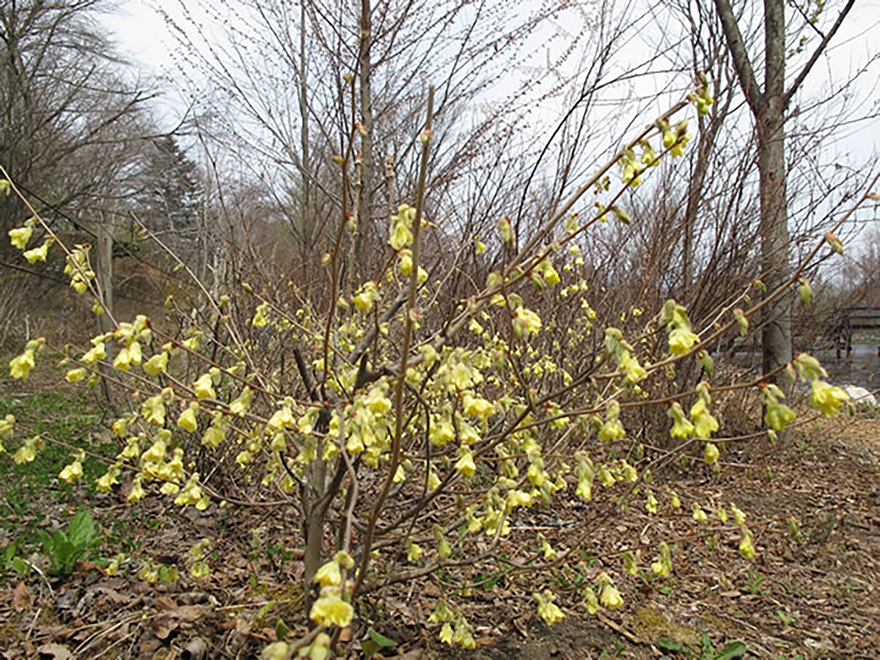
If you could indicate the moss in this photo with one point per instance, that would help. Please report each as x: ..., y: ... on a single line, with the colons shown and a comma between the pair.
x: 651, y: 625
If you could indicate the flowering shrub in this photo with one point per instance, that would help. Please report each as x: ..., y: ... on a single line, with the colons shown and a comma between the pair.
x: 425, y: 436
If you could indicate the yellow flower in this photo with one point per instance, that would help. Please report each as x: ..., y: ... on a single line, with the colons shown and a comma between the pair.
x: 332, y: 611
x: 711, y: 453
x: 612, y: 429
x: 652, y: 505
x: 136, y: 494
x: 698, y: 514
x: 704, y: 423
x: 204, y: 387
x: 7, y: 426
x: 106, y: 482
x: 156, y: 364
x: 123, y: 360
x: 547, y: 609
x: 610, y: 597
x: 746, y: 548
x: 153, y: 410
x: 20, y: 367
x: 97, y: 352
x: 405, y: 264
x: 682, y: 429
x: 191, y: 493
x: 414, y: 551
x: 634, y: 371
x: 475, y: 406
x: 681, y: 339
x: 590, y: 600
x: 466, y: 464
x: 827, y: 398
x: 260, y: 319
x: 240, y: 405
x: 329, y: 575
x: 19, y: 237
x: 201, y: 569
x: 738, y: 516
x: 71, y: 472
x: 442, y: 432
x: 37, y: 254
x: 778, y: 415
x: 401, y: 236
x: 527, y: 322
x: 76, y: 375
x: 188, y: 420
x: 368, y: 293
x: 446, y: 635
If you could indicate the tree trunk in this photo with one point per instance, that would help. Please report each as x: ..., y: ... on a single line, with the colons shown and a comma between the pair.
x: 365, y: 203
x: 775, y: 257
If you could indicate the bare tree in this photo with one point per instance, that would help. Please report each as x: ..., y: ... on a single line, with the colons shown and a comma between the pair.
x: 769, y: 104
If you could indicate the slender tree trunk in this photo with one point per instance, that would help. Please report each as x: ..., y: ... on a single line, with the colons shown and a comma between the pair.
x: 365, y: 203
x: 775, y: 257
x: 307, y: 216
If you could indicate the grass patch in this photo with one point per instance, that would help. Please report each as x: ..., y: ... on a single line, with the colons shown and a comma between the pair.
x: 67, y: 422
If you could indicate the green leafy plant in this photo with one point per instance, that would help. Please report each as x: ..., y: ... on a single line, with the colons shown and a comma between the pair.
x: 707, y: 650
x: 65, y: 549
x: 756, y: 579
x: 375, y: 643
x: 12, y: 562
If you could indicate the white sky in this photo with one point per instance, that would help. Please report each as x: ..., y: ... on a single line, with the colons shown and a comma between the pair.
x: 143, y: 37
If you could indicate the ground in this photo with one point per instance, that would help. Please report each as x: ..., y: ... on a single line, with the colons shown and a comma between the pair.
x: 812, y: 590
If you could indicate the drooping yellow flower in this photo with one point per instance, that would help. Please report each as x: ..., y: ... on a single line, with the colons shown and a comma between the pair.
x: 20, y: 367
x: 704, y: 423
x: 682, y: 429
x: 38, y: 253
x: 329, y: 575
x: 746, y: 548
x: 260, y: 318
x: 240, y: 405
x: 711, y: 453
x: 526, y: 322
x: 681, y: 340
x: 612, y: 429
x: 28, y: 451
x: 331, y: 611
x: 20, y: 236
x: 76, y: 375
x: 475, y: 406
x: 157, y: 364
x: 97, y: 352
x: 367, y: 294
x: 827, y: 398
x: 136, y: 494
x: 71, y: 472
x: 547, y: 609
x: 442, y: 432
x: 153, y: 410
x: 204, y: 387
x: 590, y: 600
x: 610, y: 597
x: 466, y: 464
x: 188, y: 420
x: 401, y: 236
x: 106, y: 482
x: 191, y: 492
